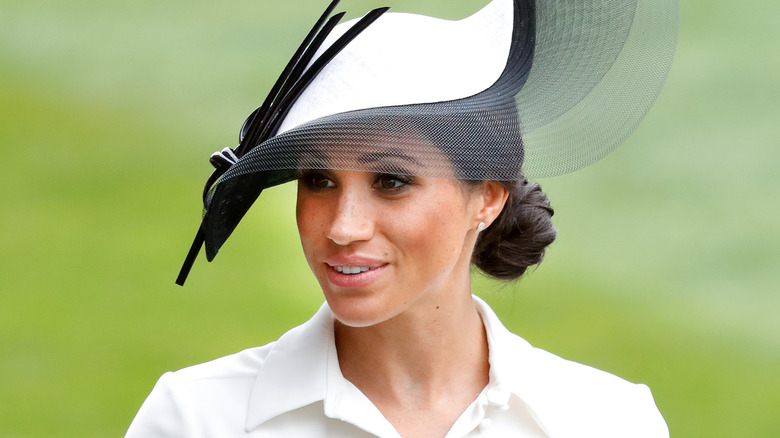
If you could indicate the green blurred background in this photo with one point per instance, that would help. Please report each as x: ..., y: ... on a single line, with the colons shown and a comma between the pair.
x: 665, y: 271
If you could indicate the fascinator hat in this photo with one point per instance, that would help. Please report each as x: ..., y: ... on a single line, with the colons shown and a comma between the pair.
x: 522, y: 88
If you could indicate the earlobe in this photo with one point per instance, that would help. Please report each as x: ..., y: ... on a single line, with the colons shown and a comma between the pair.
x: 494, y: 197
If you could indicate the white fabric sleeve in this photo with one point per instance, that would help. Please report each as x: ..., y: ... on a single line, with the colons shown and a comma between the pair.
x: 646, y: 419
x: 161, y: 415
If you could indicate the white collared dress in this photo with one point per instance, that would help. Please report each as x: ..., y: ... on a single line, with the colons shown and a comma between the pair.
x: 293, y: 387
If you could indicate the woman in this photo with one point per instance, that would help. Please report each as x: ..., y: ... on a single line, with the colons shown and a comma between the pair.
x: 407, y: 136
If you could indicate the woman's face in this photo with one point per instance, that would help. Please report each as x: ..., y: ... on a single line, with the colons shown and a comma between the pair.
x: 382, y: 245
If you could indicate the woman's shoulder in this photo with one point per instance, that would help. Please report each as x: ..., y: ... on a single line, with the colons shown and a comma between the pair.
x: 572, y: 398
x: 304, y: 339
x: 558, y: 371
x: 527, y: 367
x: 220, y: 387
x: 215, y: 395
x: 243, y: 363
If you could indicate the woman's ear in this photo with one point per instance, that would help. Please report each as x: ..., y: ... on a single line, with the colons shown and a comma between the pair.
x: 494, y: 196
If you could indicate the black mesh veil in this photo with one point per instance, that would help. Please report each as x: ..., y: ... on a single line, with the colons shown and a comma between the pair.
x: 578, y: 77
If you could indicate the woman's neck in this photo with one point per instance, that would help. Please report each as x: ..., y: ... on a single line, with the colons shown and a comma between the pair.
x: 431, y: 363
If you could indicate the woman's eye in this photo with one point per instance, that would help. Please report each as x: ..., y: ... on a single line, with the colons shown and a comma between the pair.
x: 391, y: 182
x: 316, y: 181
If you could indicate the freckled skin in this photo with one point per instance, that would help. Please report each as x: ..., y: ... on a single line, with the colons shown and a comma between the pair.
x: 421, y: 232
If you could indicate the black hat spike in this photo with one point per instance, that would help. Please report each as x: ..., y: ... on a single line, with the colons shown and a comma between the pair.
x: 263, y: 122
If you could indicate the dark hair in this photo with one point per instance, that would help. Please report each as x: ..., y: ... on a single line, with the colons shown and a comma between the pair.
x: 520, y: 234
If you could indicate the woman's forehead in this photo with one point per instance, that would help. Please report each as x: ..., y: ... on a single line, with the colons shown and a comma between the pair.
x: 411, y: 154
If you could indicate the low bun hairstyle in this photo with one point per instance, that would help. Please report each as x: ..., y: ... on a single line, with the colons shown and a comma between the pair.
x: 517, y: 239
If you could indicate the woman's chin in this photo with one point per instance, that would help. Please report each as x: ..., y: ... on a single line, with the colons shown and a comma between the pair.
x: 355, y: 309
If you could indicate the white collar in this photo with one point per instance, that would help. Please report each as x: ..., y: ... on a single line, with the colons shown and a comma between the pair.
x: 274, y: 392
x: 308, y: 353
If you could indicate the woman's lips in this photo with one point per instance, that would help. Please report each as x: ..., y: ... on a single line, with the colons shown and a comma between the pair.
x: 352, y: 272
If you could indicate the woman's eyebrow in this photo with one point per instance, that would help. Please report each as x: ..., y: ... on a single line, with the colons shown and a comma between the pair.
x: 373, y: 157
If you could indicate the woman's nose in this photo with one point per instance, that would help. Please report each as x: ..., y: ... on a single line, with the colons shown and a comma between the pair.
x: 351, y: 220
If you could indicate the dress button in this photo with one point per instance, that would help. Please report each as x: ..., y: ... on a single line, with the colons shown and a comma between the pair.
x: 485, y: 424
